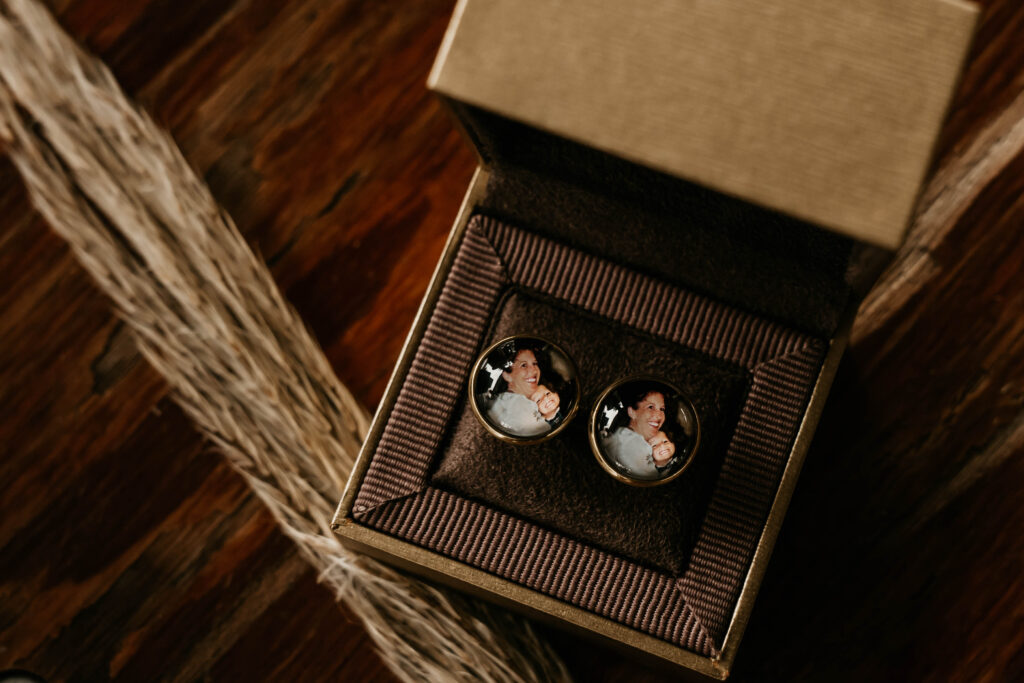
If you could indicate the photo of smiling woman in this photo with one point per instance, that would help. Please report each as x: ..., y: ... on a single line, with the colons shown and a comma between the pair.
x: 524, y: 388
x: 646, y: 431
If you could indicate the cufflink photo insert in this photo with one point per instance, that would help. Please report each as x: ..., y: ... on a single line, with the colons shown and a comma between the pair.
x: 644, y: 431
x: 524, y: 389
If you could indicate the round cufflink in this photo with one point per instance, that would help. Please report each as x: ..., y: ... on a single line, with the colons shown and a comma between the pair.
x: 524, y: 389
x: 644, y: 431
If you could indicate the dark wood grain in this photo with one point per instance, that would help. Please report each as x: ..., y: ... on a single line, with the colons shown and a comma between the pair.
x: 130, y: 551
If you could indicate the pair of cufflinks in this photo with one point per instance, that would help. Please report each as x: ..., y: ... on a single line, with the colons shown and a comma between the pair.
x: 643, y: 430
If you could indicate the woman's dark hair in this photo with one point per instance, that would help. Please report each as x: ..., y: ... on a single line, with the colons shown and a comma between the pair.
x: 504, y: 357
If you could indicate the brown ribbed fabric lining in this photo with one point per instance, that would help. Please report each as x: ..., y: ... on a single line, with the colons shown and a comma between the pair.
x: 420, y: 416
x: 693, y: 611
x: 555, y: 484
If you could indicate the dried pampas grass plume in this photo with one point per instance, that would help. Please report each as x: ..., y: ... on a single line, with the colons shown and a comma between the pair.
x: 206, y: 313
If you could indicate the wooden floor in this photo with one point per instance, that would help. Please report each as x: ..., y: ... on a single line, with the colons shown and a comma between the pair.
x: 130, y: 551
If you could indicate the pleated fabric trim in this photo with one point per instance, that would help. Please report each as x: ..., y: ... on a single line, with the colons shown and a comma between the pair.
x: 693, y: 610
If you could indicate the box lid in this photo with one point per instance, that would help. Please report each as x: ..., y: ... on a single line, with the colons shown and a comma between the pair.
x: 827, y: 111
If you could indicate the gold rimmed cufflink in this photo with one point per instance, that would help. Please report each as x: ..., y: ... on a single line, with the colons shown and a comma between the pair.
x: 524, y: 389
x: 644, y: 431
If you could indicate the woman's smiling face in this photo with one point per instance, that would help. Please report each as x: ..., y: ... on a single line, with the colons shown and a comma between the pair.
x: 648, y: 415
x: 524, y: 375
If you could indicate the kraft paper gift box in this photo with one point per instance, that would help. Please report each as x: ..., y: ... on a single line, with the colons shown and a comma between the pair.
x: 700, y: 191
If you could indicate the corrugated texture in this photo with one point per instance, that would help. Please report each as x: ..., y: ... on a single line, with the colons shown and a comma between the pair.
x: 692, y: 611
x: 437, y: 376
x: 827, y: 111
x: 642, y: 302
x: 747, y: 484
x: 545, y: 561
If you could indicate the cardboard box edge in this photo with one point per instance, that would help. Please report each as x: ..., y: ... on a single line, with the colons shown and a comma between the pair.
x: 477, y: 185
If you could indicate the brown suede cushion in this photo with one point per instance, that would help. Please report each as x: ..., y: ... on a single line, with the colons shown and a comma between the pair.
x: 559, y: 483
